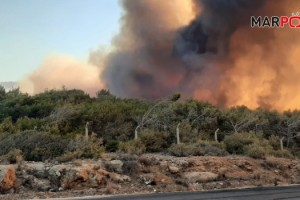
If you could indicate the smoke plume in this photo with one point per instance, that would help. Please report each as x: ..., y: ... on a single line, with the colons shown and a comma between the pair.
x: 212, y: 55
x: 204, y: 49
x: 62, y: 71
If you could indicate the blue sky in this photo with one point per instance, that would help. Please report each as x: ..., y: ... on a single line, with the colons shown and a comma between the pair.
x: 30, y: 30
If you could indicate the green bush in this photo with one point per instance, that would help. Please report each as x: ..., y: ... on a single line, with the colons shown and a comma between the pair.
x: 183, y: 150
x: 219, y: 145
x: 274, y: 141
x: 36, y: 146
x: 132, y: 147
x: 255, y: 151
x: 236, y: 143
x: 255, y: 146
x: 281, y: 153
x: 154, y: 141
x: 91, y: 148
x: 7, y: 126
x: 69, y: 156
x: 26, y: 124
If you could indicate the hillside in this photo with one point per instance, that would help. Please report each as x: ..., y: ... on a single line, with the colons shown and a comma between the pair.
x: 187, y: 140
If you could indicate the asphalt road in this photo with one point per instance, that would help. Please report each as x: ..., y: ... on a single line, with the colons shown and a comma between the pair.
x: 271, y: 193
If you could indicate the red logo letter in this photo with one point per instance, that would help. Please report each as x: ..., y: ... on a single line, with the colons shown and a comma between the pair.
x: 283, y: 21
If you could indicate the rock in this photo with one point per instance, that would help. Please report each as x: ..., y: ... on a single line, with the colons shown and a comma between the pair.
x: 55, y: 174
x: 174, y: 169
x: 115, y: 165
x: 37, y: 169
x: 7, y: 177
x: 42, y: 185
x: 164, y: 164
x: 74, y: 178
x: 202, y: 177
x: 117, y: 178
x: 155, y: 179
x: 148, y: 179
x: 182, y: 163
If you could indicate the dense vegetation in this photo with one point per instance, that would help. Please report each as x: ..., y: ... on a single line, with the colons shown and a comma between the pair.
x: 52, y: 125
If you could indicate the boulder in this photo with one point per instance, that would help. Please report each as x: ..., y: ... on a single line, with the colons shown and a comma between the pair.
x: 75, y: 178
x: 117, y: 178
x: 201, y: 177
x: 37, y: 169
x: 56, y: 173
x: 34, y: 183
x: 174, y: 169
x: 115, y: 165
x: 7, y: 177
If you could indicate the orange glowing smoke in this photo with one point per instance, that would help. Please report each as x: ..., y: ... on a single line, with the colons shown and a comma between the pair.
x: 266, y: 70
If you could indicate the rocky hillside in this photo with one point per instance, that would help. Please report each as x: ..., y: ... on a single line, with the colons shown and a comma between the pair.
x: 149, y: 173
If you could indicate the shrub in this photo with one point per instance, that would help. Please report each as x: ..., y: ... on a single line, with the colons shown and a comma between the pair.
x: 219, y: 145
x: 154, y: 141
x: 25, y: 124
x: 132, y: 147
x: 13, y: 156
x: 36, y: 146
x: 183, y: 150
x: 82, y: 148
x: 7, y: 126
x: 236, y: 143
x: 112, y: 146
x: 255, y: 151
x: 274, y: 141
x: 214, y: 151
x: 69, y: 156
x: 130, y: 167
x: 281, y: 153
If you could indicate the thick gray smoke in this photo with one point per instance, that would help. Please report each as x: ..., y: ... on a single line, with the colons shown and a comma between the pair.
x: 159, y: 61
x: 210, y: 32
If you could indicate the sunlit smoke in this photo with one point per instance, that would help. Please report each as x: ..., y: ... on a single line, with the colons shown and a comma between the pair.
x: 63, y: 71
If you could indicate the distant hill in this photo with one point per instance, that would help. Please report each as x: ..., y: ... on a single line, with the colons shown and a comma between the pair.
x: 9, y: 85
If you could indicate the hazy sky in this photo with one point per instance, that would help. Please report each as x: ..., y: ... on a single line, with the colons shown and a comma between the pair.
x: 32, y: 29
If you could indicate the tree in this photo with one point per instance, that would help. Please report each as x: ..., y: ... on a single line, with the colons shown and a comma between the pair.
x: 2, y: 92
x: 14, y: 92
x: 289, y: 126
x: 149, y: 118
x: 86, y: 136
x: 104, y: 95
x: 178, y: 133
x: 175, y: 97
x: 240, y: 118
x: 7, y: 126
